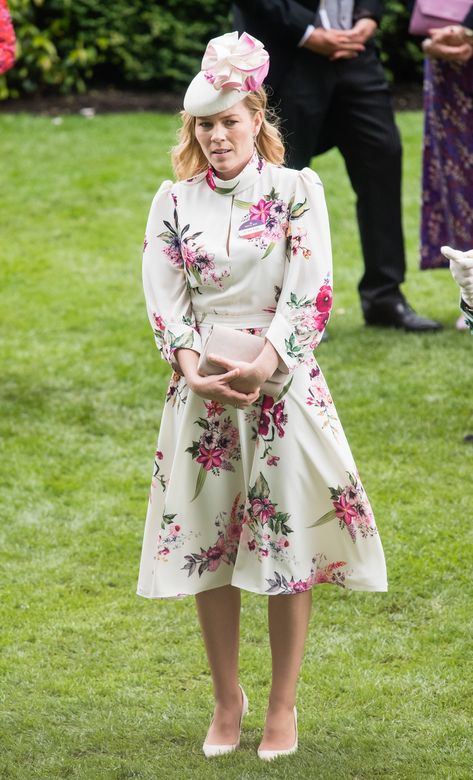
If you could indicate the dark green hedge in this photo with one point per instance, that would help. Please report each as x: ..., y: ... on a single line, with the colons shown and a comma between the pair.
x: 401, y: 53
x: 69, y: 45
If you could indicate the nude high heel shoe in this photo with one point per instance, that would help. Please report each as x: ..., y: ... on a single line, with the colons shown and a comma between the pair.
x: 269, y: 755
x: 220, y: 750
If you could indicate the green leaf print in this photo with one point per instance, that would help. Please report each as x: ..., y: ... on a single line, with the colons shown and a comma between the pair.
x: 291, y: 347
x: 260, y: 489
x: 196, y: 274
x: 180, y: 342
x: 279, y: 525
x: 201, y: 477
x: 166, y: 235
x: 226, y: 190
x: 299, y: 210
x: 194, y: 449
x: 285, y: 389
x: 269, y: 249
x: 242, y: 204
x: 167, y: 520
x: 297, y: 303
x: 331, y: 515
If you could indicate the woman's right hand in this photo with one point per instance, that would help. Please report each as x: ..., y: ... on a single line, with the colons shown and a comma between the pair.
x: 216, y: 387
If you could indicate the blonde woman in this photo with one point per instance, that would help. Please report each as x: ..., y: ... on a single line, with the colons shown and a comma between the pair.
x: 248, y: 492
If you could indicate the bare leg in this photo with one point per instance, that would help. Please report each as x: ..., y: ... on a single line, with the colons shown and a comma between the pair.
x: 288, y: 622
x: 219, y: 616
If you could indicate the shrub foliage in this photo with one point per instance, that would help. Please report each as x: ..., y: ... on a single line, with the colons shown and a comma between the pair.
x: 70, y: 45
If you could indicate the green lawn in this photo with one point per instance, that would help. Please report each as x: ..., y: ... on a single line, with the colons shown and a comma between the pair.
x: 99, y: 684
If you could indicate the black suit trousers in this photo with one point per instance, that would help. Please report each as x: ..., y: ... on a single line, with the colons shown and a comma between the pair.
x: 347, y: 104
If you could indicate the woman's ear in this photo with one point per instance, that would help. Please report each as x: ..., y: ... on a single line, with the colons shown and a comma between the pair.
x: 258, y: 121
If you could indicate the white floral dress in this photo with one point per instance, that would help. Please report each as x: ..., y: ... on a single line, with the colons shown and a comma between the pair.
x: 268, y: 498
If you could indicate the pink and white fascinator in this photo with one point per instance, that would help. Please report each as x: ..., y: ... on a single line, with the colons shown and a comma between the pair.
x: 231, y: 67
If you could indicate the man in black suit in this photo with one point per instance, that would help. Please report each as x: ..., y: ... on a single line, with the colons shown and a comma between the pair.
x: 330, y: 90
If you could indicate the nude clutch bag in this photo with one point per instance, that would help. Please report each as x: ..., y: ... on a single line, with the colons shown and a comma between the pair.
x: 238, y: 345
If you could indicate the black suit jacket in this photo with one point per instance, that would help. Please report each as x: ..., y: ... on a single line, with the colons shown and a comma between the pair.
x: 280, y: 25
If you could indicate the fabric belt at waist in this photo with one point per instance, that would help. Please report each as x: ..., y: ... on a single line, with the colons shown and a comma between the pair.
x: 235, y: 320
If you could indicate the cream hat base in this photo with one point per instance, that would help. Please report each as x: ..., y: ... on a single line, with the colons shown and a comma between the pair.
x: 202, y: 99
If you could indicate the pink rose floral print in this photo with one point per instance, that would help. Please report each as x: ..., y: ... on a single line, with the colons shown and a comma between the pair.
x: 318, y: 396
x: 321, y: 572
x: 225, y: 548
x: 185, y: 252
x: 268, y: 422
x: 263, y: 516
x: 217, y: 446
x: 267, y: 221
x: 309, y: 318
x: 352, y: 508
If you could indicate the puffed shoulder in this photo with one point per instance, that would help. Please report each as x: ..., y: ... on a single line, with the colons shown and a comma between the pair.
x: 308, y: 177
x: 164, y: 190
x: 294, y: 178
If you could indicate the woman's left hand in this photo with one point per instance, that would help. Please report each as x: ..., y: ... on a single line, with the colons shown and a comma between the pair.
x: 448, y: 43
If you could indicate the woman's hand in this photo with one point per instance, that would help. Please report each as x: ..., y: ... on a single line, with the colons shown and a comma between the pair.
x: 248, y: 378
x: 250, y: 375
x: 448, y: 43
x: 217, y: 387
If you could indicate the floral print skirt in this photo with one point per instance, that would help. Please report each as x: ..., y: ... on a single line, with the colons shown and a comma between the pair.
x: 267, y: 499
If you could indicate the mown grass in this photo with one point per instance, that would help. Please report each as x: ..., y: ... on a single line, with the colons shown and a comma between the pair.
x: 99, y: 684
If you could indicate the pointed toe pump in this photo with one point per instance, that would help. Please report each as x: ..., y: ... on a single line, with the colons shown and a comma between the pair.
x: 270, y: 755
x: 220, y: 750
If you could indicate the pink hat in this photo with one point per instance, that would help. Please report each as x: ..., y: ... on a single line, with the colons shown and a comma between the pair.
x: 231, y: 67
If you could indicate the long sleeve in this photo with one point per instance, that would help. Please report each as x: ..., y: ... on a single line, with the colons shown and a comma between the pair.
x: 166, y: 291
x: 284, y: 20
x: 373, y: 9
x: 305, y: 300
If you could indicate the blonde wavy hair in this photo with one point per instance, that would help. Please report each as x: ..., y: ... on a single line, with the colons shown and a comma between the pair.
x: 188, y: 158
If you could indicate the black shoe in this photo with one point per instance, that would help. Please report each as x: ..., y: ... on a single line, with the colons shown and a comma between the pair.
x: 397, y: 314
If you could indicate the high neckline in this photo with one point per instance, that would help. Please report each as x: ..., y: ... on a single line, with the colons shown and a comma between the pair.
x: 244, y: 179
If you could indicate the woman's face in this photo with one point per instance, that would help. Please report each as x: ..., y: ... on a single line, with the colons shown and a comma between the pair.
x: 227, y: 138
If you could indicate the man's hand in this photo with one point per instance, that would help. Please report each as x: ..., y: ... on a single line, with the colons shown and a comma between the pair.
x: 362, y: 31
x: 333, y: 44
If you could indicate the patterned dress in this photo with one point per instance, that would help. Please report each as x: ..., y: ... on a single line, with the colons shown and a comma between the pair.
x: 267, y: 498
x: 447, y: 181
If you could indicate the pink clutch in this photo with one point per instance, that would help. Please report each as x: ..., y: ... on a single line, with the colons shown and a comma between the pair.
x: 437, y: 13
x: 238, y: 345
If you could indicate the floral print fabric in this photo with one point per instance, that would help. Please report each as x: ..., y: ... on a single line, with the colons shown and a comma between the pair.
x: 447, y: 186
x: 267, y: 498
